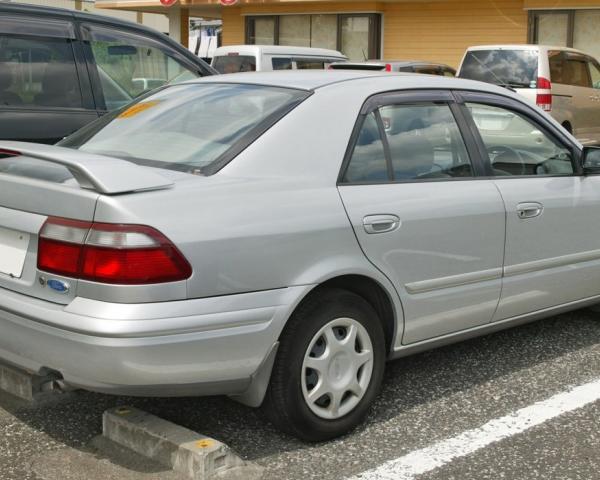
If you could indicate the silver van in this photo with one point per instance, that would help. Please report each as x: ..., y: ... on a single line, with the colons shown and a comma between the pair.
x: 250, y: 58
x: 562, y: 81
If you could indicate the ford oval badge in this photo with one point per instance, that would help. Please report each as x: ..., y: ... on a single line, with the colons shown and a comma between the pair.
x: 58, y: 285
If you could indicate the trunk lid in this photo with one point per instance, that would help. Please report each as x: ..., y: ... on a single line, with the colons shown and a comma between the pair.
x: 38, y: 181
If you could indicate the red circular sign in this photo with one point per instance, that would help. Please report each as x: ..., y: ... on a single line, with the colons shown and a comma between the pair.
x: 228, y: 2
x: 167, y: 3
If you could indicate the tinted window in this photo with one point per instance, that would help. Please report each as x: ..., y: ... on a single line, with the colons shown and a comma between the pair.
x: 368, y: 163
x: 517, y: 146
x: 428, y: 70
x: 38, y: 72
x: 595, y: 72
x: 576, y: 71
x: 235, y: 63
x: 556, y: 61
x: 515, y: 68
x: 309, y: 63
x: 424, y: 142
x: 187, y: 127
x: 128, y: 65
x: 281, y: 63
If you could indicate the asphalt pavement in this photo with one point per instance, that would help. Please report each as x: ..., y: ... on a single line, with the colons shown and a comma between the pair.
x: 426, y: 398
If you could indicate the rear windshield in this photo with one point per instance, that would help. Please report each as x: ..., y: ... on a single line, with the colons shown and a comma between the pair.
x: 355, y: 66
x: 188, y: 127
x: 510, y: 68
x: 234, y: 63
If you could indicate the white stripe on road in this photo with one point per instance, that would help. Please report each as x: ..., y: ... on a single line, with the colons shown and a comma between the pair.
x: 443, y: 452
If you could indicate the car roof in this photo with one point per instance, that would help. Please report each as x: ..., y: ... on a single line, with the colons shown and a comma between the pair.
x: 280, y: 49
x: 377, y: 81
x: 73, y: 14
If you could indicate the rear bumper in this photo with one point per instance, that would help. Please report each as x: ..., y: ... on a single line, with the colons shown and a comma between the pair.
x: 193, y: 347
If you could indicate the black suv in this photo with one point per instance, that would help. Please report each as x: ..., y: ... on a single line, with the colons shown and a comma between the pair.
x: 61, y: 69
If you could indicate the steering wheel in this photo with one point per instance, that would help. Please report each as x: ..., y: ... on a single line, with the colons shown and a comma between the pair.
x: 498, y: 150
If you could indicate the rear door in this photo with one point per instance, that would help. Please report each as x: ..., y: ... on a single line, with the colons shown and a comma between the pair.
x: 421, y: 214
x: 552, y: 224
x: 45, y: 92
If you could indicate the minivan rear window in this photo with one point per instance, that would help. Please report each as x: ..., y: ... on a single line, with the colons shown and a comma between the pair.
x: 234, y: 63
x: 510, y: 68
x: 195, y: 128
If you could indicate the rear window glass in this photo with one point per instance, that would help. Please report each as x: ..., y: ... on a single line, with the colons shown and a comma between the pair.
x: 234, y: 63
x: 511, y: 68
x: 187, y: 127
x: 356, y: 66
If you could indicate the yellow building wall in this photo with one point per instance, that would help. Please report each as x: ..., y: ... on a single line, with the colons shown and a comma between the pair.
x: 554, y: 4
x: 438, y: 31
x: 441, y: 31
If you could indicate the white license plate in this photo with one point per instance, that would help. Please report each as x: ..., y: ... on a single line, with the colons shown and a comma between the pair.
x: 13, y: 248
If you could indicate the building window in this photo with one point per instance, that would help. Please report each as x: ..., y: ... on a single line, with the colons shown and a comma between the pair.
x: 356, y: 35
x: 567, y: 28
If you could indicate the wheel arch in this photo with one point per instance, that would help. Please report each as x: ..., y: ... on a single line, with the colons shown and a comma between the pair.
x: 374, y: 293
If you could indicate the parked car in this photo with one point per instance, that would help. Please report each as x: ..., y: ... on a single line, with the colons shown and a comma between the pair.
x: 562, y: 81
x: 61, y: 69
x: 250, y: 58
x: 272, y: 238
x: 409, y: 66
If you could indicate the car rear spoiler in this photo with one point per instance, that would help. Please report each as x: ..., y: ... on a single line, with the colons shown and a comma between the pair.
x: 102, y: 174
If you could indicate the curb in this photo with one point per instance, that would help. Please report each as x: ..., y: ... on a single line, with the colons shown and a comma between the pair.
x: 183, y: 450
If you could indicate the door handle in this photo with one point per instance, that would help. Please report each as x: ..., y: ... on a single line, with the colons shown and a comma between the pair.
x: 529, y: 209
x: 380, y: 223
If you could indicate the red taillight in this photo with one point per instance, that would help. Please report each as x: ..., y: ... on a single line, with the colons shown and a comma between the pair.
x: 388, y: 67
x: 9, y: 153
x: 109, y: 253
x: 544, y: 99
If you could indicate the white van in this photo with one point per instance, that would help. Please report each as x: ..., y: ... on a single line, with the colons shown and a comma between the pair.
x: 562, y: 81
x: 250, y: 58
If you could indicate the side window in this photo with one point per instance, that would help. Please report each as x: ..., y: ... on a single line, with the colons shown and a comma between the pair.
x: 129, y: 65
x: 557, y: 65
x: 310, y: 63
x: 424, y: 142
x: 595, y: 72
x: 448, y: 73
x: 368, y: 162
x: 281, y: 63
x: 518, y: 146
x: 38, y: 72
x: 427, y: 70
x: 576, y: 72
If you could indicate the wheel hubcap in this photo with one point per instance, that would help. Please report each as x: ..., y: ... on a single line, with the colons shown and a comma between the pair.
x: 337, y: 368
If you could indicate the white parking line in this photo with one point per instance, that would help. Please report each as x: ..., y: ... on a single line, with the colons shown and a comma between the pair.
x: 443, y: 452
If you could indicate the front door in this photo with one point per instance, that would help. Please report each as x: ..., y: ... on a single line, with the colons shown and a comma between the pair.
x: 553, y: 222
x: 422, y: 216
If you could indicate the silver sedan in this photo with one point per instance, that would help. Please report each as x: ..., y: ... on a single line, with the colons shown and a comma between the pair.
x: 277, y: 237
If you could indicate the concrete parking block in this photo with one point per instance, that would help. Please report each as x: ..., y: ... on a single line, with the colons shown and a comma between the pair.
x: 185, y: 451
x: 26, y: 386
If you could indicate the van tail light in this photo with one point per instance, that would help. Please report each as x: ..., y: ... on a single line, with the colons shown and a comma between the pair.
x: 109, y: 253
x: 388, y: 67
x: 544, y: 96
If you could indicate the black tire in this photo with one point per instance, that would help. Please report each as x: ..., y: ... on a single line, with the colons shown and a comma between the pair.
x: 284, y: 404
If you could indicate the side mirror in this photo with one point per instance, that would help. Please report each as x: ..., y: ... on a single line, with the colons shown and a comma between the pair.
x: 590, y: 160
